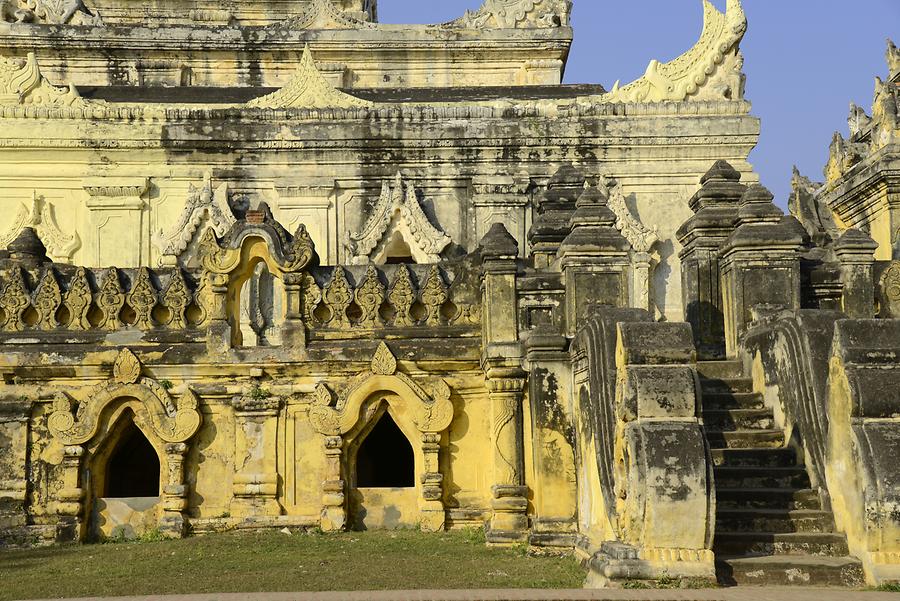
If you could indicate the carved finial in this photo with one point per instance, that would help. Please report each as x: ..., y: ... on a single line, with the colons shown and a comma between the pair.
x: 383, y: 361
x: 499, y: 243
x: 309, y: 89
x: 127, y: 368
x: 893, y: 59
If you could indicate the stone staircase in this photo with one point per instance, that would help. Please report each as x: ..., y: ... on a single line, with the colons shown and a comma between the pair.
x: 771, y: 528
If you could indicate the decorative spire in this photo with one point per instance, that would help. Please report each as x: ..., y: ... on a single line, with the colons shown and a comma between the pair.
x: 308, y: 89
x: 893, y: 61
x: 715, y: 58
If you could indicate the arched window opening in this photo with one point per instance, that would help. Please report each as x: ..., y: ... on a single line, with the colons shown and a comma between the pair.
x: 397, y: 251
x: 133, y: 467
x: 385, y: 458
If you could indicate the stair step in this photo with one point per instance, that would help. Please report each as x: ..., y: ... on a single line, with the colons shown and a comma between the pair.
x: 774, y: 543
x: 720, y: 369
x: 746, y: 439
x: 767, y: 498
x: 741, y: 476
x: 739, y: 419
x: 790, y: 570
x: 784, y: 457
x: 774, y: 520
x: 713, y: 385
x: 723, y: 401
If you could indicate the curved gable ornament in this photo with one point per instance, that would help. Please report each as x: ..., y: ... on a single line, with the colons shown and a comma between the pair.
x: 21, y: 82
x: 308, y: 89
x: 40, y: 216
x: 323, y: 14
x: 172, y: 420
x: 511, y: 14
x: 690, y: 74
x: 397, y: 210
x: 431, y: 412
x: 205, y: 207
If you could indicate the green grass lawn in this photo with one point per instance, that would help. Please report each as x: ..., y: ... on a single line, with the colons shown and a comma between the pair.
x: 273, y: 561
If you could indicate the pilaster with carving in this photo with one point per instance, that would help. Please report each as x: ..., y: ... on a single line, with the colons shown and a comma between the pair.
x: 256, y: 433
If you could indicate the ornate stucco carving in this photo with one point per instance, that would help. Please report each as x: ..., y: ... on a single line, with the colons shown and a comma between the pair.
x: 711, y: 70
x: 308, y: 88
x: 21, y: 82
x: 40, y: 216
x: 172, y: 420
x: 428, y: 407
x: 513, y: 14
x: 397, y: 210
x: 323, y: 14
x: 205, y: 206
x: 47, y: 12
x: 641, y: 237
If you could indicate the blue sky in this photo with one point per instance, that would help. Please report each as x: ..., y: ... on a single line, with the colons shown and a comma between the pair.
x: 805, y: 61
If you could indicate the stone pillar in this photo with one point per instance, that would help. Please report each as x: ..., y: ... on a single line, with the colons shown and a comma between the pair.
x: 501, y: 361
x: 70, y: 497
x: 256, y: 480
x: 856, y: 253
x: 13, y: 464
x: 760, y: 264
x: 334, y: 512
x: 594, y: 259
x: 553, y: 210
x: 510, y: 503
x: 293, y: 330
x: 218, y: 330
x: 175, y: 492
x: 552, y: 435
x: 701, y: 237
x: 433, y: 515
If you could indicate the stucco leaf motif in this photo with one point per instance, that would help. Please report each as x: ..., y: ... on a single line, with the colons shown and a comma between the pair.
x: 177, y: 297
x: 434, y: 295
x: 78, y: 300
x: 14, y: 301
x: 47, y: 300
x: 338, y: 296
x: 402, y: 297
x: 308, y: 89
x: 143, y: 299
x: 111, y: 299
x: 384, y: 363
x: 61, y: 419
x: 689, y: 74
x: 127, y: 367
x: 369, y: 297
